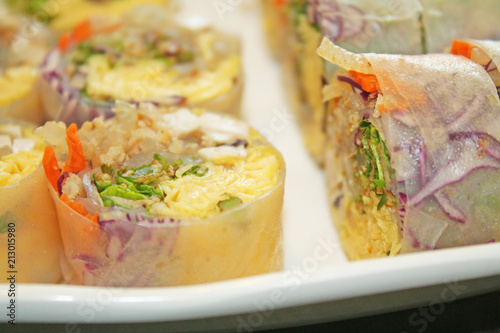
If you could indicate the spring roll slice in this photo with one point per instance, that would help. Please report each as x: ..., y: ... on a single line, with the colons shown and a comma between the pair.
x: 445, y: 20
x: 413, y: 152
x: 356, y: 25
x: 144, y: 57
x: 23, y: 44
x: 188, y: 197
x: 28, y: 226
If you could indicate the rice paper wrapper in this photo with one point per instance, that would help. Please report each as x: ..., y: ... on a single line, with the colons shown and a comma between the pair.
x: 369, y: 26
x: 356, y: 25
x: 63, y: 102
x: 445, y: 20
x: 23, y: 46
x: 487, y: 54
x: 166, y: 251
x: 28, y: 220
x: 28, y: 108
x: 442, y: 131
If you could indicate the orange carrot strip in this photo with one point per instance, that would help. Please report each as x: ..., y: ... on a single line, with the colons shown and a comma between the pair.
x: 462, y: 48
x: 94, y: 218
x: 368, y: 82
x: 64, y: 41
x: 76, y: 158
x: 82, y: 31
x: 51, y: 167
x: 78, y: 207
x: 279, y: 3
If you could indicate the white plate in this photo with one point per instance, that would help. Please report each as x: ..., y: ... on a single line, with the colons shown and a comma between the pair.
x: 316, y: 270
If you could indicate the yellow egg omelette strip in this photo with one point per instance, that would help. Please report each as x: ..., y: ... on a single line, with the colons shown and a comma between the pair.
x: 15, y: 167
x: 152, y: 78
x: 16, y: 83
x: 246, y: 179
x: 70, y: 13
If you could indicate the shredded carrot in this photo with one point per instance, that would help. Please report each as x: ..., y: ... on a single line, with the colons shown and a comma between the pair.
x: 76, y: 158
x: 73, y: 164
x: 368, y: 82
x: 279, y: 3
x: 462, y: 48
x: 78, y: 207
x: 51, y: 167
x: 82, y: 31
x: 64, y: 41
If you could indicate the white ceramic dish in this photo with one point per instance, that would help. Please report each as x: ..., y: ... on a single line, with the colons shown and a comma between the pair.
x: 316, y: 270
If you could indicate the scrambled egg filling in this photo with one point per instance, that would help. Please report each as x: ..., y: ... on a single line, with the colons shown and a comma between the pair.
x: 152, y: 78
x: 74, y: 11
x: 245, y: 179
x: 16, y: 83
x: 20, y: 156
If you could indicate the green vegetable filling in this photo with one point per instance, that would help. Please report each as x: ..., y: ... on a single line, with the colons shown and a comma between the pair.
x: 139, y: 183
x: 372, y: 157
x: 229, y: 203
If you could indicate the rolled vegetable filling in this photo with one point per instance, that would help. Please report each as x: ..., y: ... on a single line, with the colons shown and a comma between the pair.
x: 156, y: 180
x: 140, y: 59
x: 26, y: 208
x: 19, y: 60
x: 70, y: 13
x: 20, y: 153
x: 413, y: 152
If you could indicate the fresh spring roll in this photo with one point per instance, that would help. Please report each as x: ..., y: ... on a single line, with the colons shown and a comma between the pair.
x: 29, y: 234
x: 483, y: 52
x: 162, y: 199
x: 446, y: 20
x: 65, y: 15
x: 23, y: 44
x: 144, y: 57
x: 357, y: 25
x: 413, y: 155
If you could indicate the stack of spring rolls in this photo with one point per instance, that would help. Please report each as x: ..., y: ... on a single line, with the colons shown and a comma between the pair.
x: 388, y: 26
x: 142, y: 174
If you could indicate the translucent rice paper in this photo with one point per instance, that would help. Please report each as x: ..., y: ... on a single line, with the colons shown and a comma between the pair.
x: 168, y: 252
x: 487, y: 54
x: 27, y: 108
x: 38, y: 247
x: 62, y: 102
x: 442, y: 130
x: 23, y: 42
x: 358, y: 25
x: 127, y: 250
x: 490, y: 47
x: 445, y: 20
